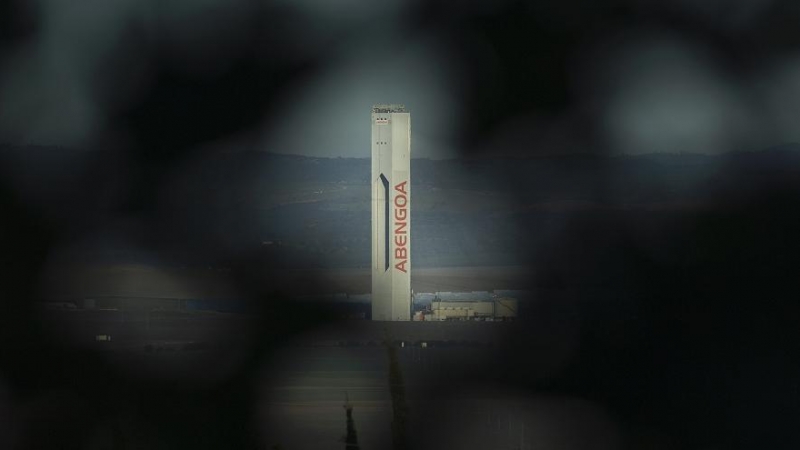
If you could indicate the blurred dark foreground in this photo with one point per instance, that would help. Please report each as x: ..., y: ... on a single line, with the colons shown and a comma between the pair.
x: 662, y: 317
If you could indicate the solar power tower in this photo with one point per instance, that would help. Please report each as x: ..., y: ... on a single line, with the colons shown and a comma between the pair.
x: 391, y: 213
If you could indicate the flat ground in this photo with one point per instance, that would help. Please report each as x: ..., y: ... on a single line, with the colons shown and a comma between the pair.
x: 435, y: 279
x: 299, y: 387
x: 140, y: 281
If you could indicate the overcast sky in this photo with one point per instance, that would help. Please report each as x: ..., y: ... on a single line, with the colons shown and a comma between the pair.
x: 331, y: 117
x: 505, y: 78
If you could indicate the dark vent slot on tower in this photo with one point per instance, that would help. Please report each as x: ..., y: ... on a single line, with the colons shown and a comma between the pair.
x: 386, y: 220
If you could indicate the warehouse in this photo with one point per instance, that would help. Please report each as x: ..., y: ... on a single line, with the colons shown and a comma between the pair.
x: 476, y: 305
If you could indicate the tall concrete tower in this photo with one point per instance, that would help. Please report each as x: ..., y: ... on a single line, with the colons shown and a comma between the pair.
x: 391, y: 213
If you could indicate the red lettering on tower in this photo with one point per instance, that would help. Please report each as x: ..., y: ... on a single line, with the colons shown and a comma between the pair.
x: 400, y: 225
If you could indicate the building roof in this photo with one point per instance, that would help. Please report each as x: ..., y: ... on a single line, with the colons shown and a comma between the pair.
x: 484, y: 296
x: 424, y: 297
x: 513, y: 293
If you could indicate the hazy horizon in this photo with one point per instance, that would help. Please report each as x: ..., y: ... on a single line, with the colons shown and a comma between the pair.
x: 466, y: 156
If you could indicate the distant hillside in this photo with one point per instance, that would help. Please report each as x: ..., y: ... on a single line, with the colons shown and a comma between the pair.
x: 294, y: 209
x: 259, y: 179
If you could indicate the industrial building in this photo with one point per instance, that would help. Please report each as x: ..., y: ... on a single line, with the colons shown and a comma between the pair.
x: 391, y: 213
x: 498, y: 308
x: 497, y: 305
x: 476, y: 305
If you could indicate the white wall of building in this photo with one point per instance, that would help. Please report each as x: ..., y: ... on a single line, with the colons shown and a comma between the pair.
x: 391, y: 213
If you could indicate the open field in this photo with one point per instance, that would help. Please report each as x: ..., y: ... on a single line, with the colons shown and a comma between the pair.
x: 299, y: 386
x: 437, y: 279
x: 140, y: 281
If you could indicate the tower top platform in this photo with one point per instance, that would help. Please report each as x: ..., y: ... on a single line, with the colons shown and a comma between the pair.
x: 389, y: 108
